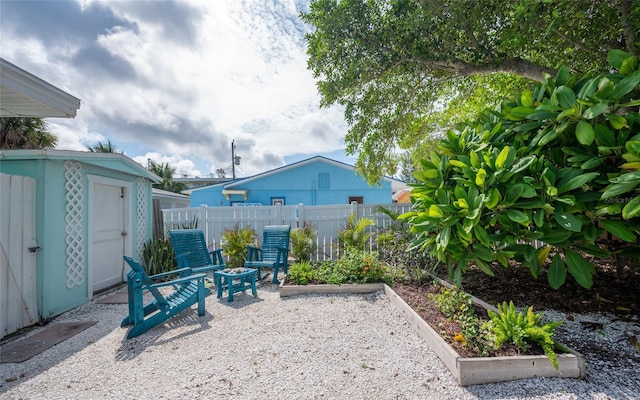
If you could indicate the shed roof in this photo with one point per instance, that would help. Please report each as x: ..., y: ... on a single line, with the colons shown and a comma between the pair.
x: 114, y: 161
x: 23, y: 94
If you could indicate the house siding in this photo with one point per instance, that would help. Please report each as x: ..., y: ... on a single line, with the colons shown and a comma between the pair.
x: 298, y: 185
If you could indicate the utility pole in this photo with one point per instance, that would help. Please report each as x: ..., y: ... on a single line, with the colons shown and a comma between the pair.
x: 235, y: 160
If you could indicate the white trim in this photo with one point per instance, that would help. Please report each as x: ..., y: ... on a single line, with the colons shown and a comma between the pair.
x: 23, y: 94
x: 228, y: 193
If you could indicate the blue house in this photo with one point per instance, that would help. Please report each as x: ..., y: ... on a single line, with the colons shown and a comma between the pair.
x: 314, y: 181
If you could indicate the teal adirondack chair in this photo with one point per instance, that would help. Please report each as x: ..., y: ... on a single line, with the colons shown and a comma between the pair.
x: 274, y: 251
x: 190, y: 250
x: 188, y: 290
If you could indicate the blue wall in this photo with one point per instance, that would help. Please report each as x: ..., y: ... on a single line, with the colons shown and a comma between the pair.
x: 298, y: 184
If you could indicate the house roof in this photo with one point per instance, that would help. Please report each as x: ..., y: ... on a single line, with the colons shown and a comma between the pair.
x: 395, y: 183
x: 23, y: 94
x: 114, y: 161
x: 168, y: 194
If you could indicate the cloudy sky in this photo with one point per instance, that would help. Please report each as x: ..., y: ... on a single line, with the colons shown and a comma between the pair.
x: 177, y: 81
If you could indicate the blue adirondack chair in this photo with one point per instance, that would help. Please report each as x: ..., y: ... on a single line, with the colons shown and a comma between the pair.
x: 188, y: 290
x: 274, y: 251
x: 190, y: 250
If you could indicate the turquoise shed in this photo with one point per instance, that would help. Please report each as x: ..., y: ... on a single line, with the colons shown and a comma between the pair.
x: 68, y: 217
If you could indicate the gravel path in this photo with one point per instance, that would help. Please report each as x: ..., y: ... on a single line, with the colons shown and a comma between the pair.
x: 303, y: 347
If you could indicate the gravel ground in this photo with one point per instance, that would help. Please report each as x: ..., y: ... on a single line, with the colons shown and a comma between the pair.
x: 303, y: 347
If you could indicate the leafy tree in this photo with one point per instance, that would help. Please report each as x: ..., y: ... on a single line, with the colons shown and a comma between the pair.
x: 107, y: 147
x: 404, y: 68
x: 559, y: 164
x: 164, y: 171
x: 25, y: 133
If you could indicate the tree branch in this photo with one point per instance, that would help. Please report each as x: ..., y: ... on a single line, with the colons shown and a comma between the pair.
x: 515, y: 65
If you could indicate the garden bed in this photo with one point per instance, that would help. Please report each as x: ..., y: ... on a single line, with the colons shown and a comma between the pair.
x: 466, y: 370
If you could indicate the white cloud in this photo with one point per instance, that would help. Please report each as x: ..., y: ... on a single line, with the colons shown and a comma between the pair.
x: 177, y: 81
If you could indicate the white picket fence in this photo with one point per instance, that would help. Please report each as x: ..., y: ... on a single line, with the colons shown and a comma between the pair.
x: 327, y: 220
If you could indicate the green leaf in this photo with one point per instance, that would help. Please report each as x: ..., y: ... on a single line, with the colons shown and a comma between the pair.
x: 605, y: 136
x: 576, y: 182
x: 513, y: 193
x: 502, y: 157
x: 594, y: 111
x: 557, y: 236
x: 581, y: 269
x: 568, y: 221
x: 617, y: 121
x: 585, y: 133
x: 484, y: 267
x: 519, y: 217
x: 631, y: 209
x: 618, y: 188
x: 563, y: 75
x: 593, y: 162
x: 626, y: 85
x: 628, y: 177
x: 526, y: 98
x: 566, y: 97
x: 557, y: 274
x: 538, y: 217
x: 619, y: 229
x: 593, y: 250
x: 522, y: 164
x: 616, y: 57
x: 480, y: 176
x: 482, y: 252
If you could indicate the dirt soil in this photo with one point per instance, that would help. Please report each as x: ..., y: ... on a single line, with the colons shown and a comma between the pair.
x: 616, y: 292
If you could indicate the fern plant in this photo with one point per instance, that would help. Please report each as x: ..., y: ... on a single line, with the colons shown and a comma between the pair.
x: 509, y: 325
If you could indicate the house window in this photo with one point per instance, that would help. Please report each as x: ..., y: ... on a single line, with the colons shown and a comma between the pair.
x: 357, y: 199
x: 277, y: 201
x: 323, y: 180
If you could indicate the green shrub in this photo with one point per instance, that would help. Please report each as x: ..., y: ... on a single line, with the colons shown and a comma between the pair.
x: 235, y: 244
x: 393, y: 243
x: 158, y: 256
x: 301, y: 273
x: 356, y: 266
x: 303, y: 243
x: 559, y: 164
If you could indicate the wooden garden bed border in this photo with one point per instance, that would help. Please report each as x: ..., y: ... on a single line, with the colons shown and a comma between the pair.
x: 467, y: 371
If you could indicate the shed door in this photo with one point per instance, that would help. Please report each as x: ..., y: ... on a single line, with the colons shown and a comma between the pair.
x: 108, y: 234
x: 18, y: 249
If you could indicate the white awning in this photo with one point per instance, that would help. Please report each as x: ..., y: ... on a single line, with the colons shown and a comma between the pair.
x: 228, y: 193
x: 23, y: 94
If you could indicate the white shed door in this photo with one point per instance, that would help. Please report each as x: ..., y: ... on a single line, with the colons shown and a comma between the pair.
x: 107, y: 225
x: 18, y: 249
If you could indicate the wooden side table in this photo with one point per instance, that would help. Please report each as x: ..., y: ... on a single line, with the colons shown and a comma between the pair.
x: 245, y: 279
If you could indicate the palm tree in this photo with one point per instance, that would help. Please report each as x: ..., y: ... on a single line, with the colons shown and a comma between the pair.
x: 107, y: 147
x: 164, y: 171
x: 25, y: 133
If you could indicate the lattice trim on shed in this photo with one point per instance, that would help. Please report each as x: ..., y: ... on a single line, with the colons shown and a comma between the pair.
x: 141, y: 215
x: 74, y: 236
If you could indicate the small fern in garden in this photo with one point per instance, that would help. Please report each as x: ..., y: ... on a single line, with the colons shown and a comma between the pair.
x: 509, y: 325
